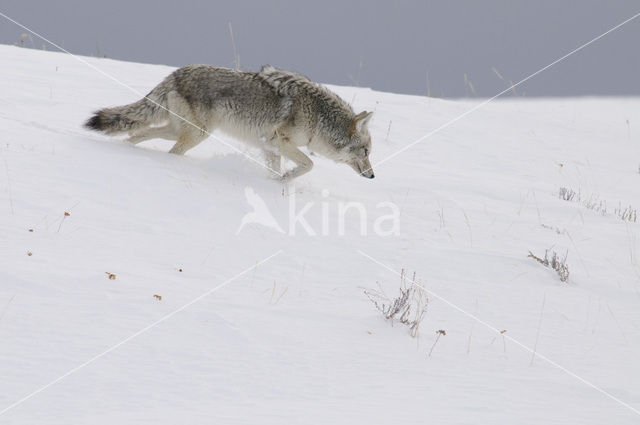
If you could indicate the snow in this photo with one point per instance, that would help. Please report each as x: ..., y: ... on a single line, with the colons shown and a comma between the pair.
x: 294, y: 339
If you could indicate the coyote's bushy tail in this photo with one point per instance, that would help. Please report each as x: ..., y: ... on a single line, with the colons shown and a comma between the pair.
x: 122, y: 119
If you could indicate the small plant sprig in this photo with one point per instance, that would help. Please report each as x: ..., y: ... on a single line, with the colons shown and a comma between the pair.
x: 558, y: 230
x: 568, y: 194
x: 627, y: 213
x: 439, y: 333
x: 554, y: 262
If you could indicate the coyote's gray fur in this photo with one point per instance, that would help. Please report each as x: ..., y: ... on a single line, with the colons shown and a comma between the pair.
x: 276, y: 110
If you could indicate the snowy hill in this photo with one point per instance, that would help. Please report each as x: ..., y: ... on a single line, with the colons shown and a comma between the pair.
x: 285, y: 333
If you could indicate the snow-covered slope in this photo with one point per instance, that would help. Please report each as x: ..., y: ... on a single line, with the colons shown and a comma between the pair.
x: 294, y: 339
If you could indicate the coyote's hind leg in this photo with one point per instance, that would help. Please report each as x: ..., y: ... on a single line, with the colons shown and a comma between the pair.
x: 189, y: 138
x: 164, y: 132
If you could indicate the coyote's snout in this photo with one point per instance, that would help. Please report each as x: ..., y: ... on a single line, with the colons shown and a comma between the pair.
x: 363, y: 168
x: 275, y: 110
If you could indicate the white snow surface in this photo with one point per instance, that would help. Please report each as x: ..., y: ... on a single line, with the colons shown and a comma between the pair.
x: 295, y: 340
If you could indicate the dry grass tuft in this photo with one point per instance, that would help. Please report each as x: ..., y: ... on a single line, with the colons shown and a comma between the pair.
x: 408, y: 308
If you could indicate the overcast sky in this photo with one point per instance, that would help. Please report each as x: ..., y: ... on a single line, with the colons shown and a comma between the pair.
x: 388, y: 45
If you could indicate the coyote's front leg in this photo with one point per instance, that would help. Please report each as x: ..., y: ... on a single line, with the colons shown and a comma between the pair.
x: 291, y: 151
x: 274, y: 162
x: 279, y: 144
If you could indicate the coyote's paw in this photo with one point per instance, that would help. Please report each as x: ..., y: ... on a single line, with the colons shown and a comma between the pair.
x: 275, y: 176
x: 134, y: 139
x: 286, y: 177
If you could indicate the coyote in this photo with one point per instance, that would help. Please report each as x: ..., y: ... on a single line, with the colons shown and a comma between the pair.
x: 276, y: 110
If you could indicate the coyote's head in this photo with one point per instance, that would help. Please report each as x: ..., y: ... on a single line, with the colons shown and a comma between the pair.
x: 358, y: 147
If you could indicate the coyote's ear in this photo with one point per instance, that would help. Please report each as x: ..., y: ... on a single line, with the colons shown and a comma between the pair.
x: 360, y: 121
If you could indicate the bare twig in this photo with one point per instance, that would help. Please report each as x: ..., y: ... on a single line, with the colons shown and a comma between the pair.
x: 544, y: 297
x: 6, y: 165
x: 66, y: 214
x: 4, y: 311
x: 439, y: 333
x: 236, y: 55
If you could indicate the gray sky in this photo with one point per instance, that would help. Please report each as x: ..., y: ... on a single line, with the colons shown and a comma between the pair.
x: 386, y: 45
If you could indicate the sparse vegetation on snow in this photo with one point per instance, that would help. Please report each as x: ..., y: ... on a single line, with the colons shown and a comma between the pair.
x: 594, y: 203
